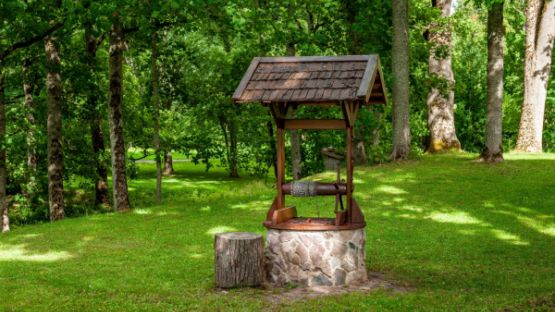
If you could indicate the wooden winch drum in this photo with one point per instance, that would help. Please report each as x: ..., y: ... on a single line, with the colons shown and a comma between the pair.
x: 322, y: 189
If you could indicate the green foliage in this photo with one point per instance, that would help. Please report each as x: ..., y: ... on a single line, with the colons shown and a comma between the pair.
x: 470, y: 67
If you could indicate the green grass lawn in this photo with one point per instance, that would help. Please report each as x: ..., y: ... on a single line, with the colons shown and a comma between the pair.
x: 463, y: 235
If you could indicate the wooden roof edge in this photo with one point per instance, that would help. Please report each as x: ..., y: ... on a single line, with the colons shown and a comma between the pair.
x: 373, y: 69
x: 368, y: 78
x: 297, y: 59
x: 382, y: 81
x: 245, y: 80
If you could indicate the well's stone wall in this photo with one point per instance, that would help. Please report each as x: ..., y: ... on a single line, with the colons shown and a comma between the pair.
x: 316, y: 258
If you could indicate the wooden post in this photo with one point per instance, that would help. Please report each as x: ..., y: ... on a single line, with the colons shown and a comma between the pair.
x: 280, y: 167
x: 349, y: 161
x: 238, y: 259
x: 278, y: 112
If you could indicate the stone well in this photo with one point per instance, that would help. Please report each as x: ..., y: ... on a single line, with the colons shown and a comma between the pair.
x: 316, y: 258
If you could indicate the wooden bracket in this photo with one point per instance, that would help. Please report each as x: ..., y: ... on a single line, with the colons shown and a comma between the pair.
x: 284, y: 214
x: 355, y: 215
x: 350, y: 112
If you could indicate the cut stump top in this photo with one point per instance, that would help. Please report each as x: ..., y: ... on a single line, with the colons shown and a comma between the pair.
x: 238, y: 236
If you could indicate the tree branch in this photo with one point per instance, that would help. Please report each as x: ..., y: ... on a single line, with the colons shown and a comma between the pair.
x: 29, y: 41
x: 99, y: 40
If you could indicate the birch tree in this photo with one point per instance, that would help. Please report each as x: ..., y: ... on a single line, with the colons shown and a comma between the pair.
x: 540, y: 33
x: 441, y: 98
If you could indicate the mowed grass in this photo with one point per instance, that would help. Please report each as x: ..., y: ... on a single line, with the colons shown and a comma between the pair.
x: 464, y: 235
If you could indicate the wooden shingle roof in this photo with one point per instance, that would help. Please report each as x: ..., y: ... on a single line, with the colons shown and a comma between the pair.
x: 313, y: 79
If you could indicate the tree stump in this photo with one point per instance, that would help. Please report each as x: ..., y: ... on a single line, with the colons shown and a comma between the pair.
x: 238, y: 259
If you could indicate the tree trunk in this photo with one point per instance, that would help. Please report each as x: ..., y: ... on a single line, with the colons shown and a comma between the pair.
x: 230, y: 140
x: 168, y: 163
x: 359, y: 151
x: 154, y: 76
x: 101, y: 185
x: 238, y: 259
x: 351, y: 9
x: 376, y: 133
x: 119, y: 179
x: 31, y: 174
x: 400, y: 49
x: 233, y: 170
x: 3, y: 173
x: 441, y: 120
x: 540, y: 33
x: 296, y: 156
x: 493, y: 149
x: 54, y: 129
x: 272, y: 137
x: 168, y: 158
x: 97, y: 135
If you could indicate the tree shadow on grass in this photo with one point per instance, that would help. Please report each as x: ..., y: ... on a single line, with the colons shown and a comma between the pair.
x: 153, y: 253
x: 448, y: 223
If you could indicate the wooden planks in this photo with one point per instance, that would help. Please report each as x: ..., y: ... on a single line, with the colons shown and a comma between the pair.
x: 318, y: 79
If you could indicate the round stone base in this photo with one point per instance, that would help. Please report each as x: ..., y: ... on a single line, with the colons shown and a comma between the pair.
x: 316, y: 258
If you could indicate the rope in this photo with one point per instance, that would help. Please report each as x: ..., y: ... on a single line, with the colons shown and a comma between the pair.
x: 303, y: 189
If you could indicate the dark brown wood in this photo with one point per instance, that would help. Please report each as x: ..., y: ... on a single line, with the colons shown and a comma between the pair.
x: 280, y: 149
x: 284, y: 214
x: 376, y: 101
x: 345, y: 115
x: 238, y: 259
x: 350, y: 111
x: 340, y: 217
x: 357, y: 217
x: 323, y: 189
x: 349, y: 161
x: 314, y: 124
